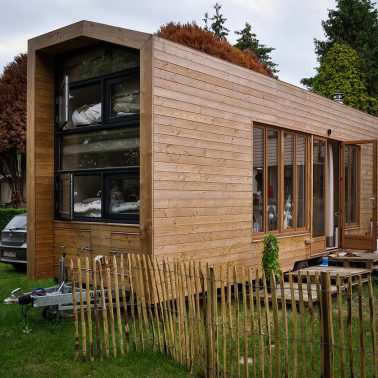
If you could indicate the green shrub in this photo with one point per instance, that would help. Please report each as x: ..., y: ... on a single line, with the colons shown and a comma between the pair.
x: 270, y: 260
x: 7, y: 214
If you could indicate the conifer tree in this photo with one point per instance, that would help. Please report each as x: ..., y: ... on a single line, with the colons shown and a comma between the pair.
x: 248, y: 41
x: 355, y: 23
x: 340, y: 72
x: 218, y: 23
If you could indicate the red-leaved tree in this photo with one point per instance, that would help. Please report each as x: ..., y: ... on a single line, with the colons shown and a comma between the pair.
x: 191, y: 35
x: 13, y: 126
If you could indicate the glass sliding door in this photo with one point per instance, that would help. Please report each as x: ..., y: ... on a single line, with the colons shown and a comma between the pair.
x: 319, y: 187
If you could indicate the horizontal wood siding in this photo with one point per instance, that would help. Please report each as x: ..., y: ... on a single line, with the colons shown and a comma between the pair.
x: 204, y: 111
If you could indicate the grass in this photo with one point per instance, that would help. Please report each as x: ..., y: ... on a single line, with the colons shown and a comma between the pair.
x: 34, y: 347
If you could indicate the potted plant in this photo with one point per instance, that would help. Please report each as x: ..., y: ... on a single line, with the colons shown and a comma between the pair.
x: 270, y: 260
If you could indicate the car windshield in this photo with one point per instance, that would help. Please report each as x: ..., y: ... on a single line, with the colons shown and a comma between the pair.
x: 17, y: 223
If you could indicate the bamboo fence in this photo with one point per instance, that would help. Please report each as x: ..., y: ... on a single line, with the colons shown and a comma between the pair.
x: 227, y: 321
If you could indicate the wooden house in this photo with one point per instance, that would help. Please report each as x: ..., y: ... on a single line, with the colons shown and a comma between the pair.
x: 139, y: 144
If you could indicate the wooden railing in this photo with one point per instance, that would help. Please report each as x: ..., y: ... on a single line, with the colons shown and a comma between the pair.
x: 226, y: 321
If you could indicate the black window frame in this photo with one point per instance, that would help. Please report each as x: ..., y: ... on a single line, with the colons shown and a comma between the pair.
x: 130, y: 120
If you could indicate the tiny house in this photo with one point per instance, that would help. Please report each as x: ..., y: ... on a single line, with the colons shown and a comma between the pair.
x: 139, y: 144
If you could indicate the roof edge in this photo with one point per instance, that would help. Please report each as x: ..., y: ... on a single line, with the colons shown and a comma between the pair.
x: 90, y: 29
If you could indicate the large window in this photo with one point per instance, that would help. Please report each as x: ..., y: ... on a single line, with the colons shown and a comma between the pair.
x: 279, y: 180
x: 97, y: 135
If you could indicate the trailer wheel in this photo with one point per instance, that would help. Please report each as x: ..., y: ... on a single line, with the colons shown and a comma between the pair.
x: 301, y: 265
x: 50, y: 313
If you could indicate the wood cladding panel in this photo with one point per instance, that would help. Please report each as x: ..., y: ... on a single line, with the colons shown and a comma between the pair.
x: 40, y: 164
x: 204, y: 111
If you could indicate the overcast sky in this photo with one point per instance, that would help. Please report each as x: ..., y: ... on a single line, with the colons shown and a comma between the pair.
x: 287, y: 25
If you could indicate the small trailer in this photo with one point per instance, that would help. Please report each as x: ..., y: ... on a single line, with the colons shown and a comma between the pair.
x: 55, y: 300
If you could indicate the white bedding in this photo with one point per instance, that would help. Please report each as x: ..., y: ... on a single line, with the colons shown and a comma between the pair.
x: 92, y: 207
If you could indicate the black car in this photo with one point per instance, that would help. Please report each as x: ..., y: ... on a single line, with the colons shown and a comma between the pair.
x: 13, y: 242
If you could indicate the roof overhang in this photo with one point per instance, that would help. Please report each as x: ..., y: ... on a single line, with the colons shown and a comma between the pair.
x: 84, y: 33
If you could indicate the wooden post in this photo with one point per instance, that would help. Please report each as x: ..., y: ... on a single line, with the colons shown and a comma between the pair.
x: 252, y: 315
x: 75, y: 312
x: 341, y: 327
x: 326, y: 326
x: 96, y: 310
x: 312, y: 324
x: 303, y: 323
x: 286, y: 329
x: 82, y: 312
x: 89, y: 310
x: 361, y: 324
x: 213, y: 319
x: 110, y: 306
x: 124, y: 305
x: 349, y: 326
x: 295, y: 327
x: 373, y: 326
x: 223, y: 311
x: 118, y: 306
x: 237, y: 318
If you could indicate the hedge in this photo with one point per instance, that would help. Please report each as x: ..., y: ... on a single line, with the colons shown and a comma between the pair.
x: 7, y: 214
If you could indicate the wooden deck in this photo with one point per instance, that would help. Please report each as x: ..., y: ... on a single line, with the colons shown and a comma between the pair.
x: 344, y: 273
x: 297, y: 293
x: 354, y: 259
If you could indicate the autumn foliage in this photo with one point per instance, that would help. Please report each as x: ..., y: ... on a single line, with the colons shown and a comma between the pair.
x: 13, y: 125
x: 191, y: 35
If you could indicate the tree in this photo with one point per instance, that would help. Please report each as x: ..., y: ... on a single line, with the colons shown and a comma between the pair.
x: 206, y: 21
x: 218, y: 22
x: 340, y: 72
x: 248, y: 41
x: 355, y: 23
x: 191, y: 35
x: 13, y: 126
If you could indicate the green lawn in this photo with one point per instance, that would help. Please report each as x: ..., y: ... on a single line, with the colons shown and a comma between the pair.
x: 34, y: 347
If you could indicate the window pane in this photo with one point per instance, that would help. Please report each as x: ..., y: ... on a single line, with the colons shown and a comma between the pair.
x: 65, y: 196
x: 350, y: 184
x: 87, y: 196
x: 353, y: 185
x: 123, y: 195
x: 272, y: 153
x: 101, y: 60
x: 258, y: 179
x: 125, y: 97
x: 84, y: 106
x: 301, y: 181
x: 318, y: 187
x: 101, y: 149
x: 288, y: 181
